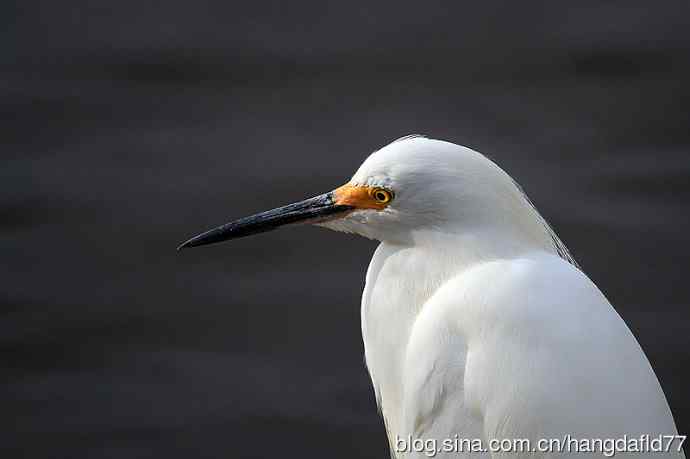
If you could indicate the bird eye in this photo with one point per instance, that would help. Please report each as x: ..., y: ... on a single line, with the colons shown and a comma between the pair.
x: 382, y: 195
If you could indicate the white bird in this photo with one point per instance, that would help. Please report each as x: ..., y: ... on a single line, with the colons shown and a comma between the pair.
x: 477, y: 323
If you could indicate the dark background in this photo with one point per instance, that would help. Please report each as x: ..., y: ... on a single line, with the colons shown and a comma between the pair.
x: 129, y: 126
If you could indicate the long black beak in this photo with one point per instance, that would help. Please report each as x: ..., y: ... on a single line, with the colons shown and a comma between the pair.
x: 312, y: 210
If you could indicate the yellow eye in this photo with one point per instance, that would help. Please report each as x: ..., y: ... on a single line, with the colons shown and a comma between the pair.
x: 381, y: 195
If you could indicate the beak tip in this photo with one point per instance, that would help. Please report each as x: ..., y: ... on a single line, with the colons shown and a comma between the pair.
x: 184, y: 245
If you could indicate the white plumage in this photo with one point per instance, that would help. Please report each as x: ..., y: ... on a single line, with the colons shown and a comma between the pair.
x: 475, y: 320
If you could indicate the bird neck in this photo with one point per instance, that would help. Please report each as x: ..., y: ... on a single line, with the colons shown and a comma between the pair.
x: 434, y: 257
x: 465, y: 249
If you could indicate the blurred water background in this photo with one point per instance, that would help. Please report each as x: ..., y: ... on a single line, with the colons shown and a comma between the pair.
x: 129, y: 126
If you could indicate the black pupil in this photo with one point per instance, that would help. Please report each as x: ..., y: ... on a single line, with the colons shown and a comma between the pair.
x: 381, y: 196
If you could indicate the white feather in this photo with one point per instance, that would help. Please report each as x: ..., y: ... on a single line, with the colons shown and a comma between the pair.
x: 476, y: 321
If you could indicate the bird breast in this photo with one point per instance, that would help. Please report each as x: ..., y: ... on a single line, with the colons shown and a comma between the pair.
x: 399, y: 281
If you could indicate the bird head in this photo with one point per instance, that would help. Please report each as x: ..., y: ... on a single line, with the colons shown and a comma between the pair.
x: 411, y: 187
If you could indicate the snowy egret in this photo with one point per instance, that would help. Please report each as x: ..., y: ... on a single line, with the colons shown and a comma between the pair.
x: 477, y: 322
